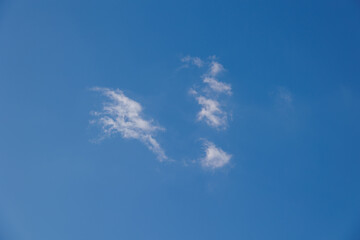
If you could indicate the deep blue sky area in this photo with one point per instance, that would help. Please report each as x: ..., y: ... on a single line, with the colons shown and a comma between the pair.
x: 293, y: 131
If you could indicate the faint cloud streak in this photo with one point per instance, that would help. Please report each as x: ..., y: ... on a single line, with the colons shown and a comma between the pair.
x: 193, y: 60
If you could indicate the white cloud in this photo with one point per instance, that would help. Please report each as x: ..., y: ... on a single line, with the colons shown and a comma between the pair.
x: 211, y: 113
x: 211, y: 110
x: 214, y: 157
x: 124, y: 115
x: 215, y: 68
x: 218, y: 86
x: 193, y: 60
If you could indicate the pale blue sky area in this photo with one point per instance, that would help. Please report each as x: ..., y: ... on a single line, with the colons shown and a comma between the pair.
x: 180, y: 120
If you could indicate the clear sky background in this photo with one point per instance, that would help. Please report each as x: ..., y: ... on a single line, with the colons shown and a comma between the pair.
x: 292, y: 133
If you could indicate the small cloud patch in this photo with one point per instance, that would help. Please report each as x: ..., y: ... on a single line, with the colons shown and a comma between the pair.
x: 214, y: 157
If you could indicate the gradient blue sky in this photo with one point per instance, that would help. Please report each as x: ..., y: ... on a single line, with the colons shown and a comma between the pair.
x: 293, y: 132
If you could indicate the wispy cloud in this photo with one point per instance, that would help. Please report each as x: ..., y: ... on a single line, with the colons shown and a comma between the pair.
x: 214, y: 157
x: 124, y: 116
x: 193, y: 60
x: 217, y: 86
x: 215, y: 68
x: 210, y: 111
x: 208, y: 96
x: 284, y: 98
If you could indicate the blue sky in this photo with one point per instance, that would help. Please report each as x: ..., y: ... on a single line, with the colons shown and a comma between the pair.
x: 265, y: 147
